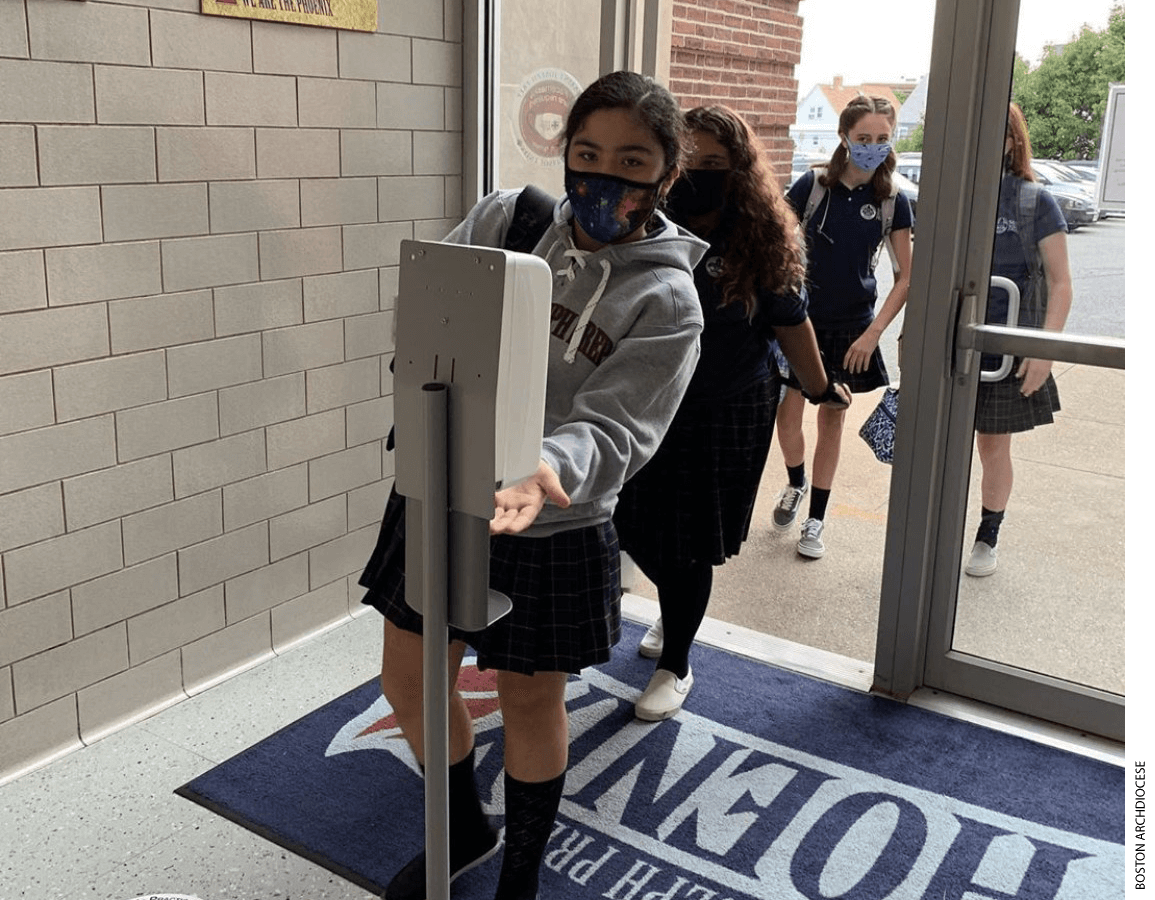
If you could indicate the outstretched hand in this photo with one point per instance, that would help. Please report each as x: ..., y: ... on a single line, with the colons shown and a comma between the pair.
x: 515, y: 508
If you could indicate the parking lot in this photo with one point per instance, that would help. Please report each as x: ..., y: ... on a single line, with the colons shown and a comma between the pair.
x: 1062, y: 542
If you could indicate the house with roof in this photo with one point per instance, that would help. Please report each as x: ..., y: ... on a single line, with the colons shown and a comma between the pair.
x: 913, y: 109
x: 815, y: 128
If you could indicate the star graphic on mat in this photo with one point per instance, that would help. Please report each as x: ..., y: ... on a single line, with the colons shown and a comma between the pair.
x: 376, y: 728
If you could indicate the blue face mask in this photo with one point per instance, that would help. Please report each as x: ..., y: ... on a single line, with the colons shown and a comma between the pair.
x: 869, y: 157
x: 608, y: 207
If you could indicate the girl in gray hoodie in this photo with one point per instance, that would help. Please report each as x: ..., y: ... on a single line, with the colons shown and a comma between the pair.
x: 625, y: 321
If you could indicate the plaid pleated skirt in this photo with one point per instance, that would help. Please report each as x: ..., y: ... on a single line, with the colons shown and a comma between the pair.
x: 834, y: 344
x: 694, y: 499
x: 566, y: 592
x: 1001, y: 409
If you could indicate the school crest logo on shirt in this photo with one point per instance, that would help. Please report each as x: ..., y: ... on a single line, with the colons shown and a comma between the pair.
x: 869, y: 211
x: 714, y: 266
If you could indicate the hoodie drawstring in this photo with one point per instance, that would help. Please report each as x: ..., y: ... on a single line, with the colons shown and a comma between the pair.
x: 579, y: 257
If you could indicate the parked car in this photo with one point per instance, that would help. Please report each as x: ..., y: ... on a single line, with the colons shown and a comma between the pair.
x: 803, y: 162
x: 1087, y: 169
x: 910, y: 165
x: 908, y: 186
x: 1076, y: 200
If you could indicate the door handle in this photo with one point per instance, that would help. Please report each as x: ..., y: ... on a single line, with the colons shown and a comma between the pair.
x: 968, y: 337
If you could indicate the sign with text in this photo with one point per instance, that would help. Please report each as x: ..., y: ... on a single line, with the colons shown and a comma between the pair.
x: 355, y: 15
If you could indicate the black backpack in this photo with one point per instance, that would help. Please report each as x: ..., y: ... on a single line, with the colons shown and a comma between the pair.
x: 532, y: 216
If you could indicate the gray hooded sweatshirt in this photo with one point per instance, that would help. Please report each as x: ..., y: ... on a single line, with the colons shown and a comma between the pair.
x: 624, y: 330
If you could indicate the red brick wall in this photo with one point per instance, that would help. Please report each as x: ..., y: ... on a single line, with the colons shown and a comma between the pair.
x: 741, y: 53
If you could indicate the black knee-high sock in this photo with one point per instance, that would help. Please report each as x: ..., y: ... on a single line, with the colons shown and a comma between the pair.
x: 819, y: 497
x: 530, y: 811
x: 471, y: 836
x: 683, y: 594
x: 989, y: 524
x: 467, y: 820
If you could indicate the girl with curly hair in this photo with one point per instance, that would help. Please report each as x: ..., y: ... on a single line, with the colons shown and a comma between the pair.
x: 689, y: 508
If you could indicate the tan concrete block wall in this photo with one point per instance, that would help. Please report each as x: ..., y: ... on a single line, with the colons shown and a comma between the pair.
x: 198, y: 265
x: 741, y: 53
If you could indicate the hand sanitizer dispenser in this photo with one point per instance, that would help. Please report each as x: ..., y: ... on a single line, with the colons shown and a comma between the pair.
x: 475, y: 319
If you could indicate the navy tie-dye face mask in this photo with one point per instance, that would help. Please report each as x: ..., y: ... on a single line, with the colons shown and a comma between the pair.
x: 608, y: 207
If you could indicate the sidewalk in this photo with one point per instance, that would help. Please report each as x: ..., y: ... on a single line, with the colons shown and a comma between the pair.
x: 1061, y: 544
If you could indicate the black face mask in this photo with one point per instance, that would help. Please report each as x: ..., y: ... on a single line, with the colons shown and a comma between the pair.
x: 698, y: 192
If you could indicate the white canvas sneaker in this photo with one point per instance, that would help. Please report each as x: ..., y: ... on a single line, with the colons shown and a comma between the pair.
x: 651, y: 643
x: 663, y: 696
x: 984, y: 560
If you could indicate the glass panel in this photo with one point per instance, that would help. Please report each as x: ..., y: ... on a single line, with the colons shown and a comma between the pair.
x: 549, y: 53
x: 830, y: 604
x: 1054, y: 603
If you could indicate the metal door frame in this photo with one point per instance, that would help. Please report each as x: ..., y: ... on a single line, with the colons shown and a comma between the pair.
x: 964, y: 131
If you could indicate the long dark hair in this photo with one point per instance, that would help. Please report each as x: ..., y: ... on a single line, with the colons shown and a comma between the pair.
x: 860, y: 106
x: 764, y: 250
x: 653, y: 104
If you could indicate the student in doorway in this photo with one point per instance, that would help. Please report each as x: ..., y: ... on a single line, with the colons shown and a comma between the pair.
x: 689, y: 508
x: 853, y: 209
x: 1031, y: 250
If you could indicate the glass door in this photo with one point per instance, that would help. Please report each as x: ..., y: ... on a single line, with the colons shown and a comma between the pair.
x: 526, y: 62
x: 1043, y: 633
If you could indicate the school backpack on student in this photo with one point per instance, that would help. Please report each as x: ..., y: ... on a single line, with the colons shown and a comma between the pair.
x: 817, y: 192
x: 532, y: 215
x: 1035, y: 297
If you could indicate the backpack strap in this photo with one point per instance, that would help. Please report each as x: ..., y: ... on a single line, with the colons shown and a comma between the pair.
x: 887, y: 209
x: 1026, y: 212
x: 817, y: 192
x: 532, y: 215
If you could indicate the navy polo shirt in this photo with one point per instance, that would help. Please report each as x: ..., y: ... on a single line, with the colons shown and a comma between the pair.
x: 734, y: 349
x: 842, y: 238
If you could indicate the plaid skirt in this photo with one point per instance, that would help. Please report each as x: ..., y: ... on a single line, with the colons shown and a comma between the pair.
x: 694, y: 499
x: 833, y: 345
x: 566, y: 592
x: 1001, y: 409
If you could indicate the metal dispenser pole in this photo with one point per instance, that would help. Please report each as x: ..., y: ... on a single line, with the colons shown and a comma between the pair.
x: 435, y: 603
x: 469, y: 388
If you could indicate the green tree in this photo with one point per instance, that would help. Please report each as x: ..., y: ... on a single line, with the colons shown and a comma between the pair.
x: 1064, y: 98
x: 912, y: 142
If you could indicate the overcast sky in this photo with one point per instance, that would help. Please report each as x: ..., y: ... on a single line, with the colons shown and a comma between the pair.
x: 832, y: 42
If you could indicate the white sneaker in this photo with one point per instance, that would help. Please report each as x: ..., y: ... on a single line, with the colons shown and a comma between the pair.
x: 663, y: 696
x: 810, y: 544
x: 651, y: 644
x: 787, y: 505
x: 984, y: 560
